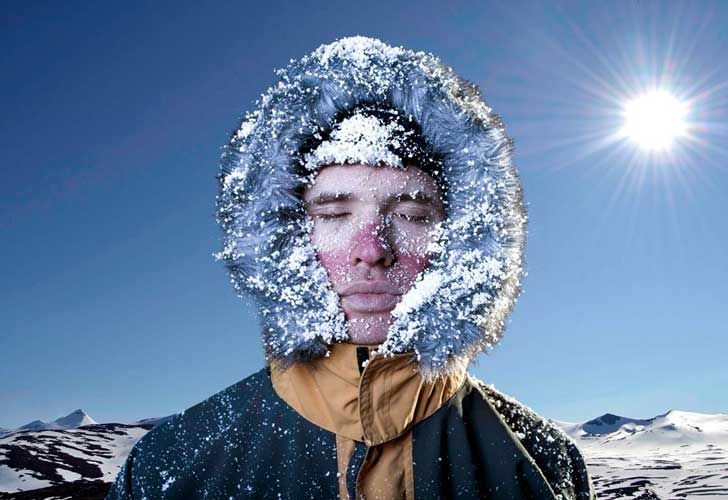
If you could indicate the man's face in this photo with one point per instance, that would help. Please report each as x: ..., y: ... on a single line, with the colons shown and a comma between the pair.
x: 371, y: 229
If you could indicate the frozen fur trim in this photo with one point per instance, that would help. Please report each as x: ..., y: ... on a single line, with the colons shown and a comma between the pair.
x: 458, y: 305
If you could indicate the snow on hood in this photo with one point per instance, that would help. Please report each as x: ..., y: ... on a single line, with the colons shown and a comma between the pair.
x: 458, y: 305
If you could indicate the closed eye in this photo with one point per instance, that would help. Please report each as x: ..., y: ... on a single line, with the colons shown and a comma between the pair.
x: 332, y: 216
x: 420, y: 219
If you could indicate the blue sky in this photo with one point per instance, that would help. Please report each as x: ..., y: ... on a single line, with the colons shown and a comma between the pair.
x: 112, y: 121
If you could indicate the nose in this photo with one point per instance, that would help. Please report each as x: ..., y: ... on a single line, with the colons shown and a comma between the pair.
x: 370, y: 246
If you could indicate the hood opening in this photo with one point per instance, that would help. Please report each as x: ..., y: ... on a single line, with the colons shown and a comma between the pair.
x: 458, y: 306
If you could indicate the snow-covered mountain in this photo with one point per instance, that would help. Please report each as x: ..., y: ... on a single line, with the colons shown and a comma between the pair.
x: 76, y: 419
x: 671, y: 429
x: 46, y: 461
x: 71, y: 457
x: 675, y: 455
x: 155, y: 421
x: 71, y: 421
x: 678, y: 454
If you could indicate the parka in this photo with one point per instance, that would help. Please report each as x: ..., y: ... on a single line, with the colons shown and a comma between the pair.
x: 326, y: 418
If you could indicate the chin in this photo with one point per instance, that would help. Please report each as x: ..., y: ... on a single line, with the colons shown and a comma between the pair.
x: 368, y: 339
x: 368, y: 329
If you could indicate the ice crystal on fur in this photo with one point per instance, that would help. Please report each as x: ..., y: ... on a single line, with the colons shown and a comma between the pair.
x: 458, y: 305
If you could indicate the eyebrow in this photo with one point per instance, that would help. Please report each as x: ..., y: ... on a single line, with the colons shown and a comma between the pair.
x: 416, y: 197
x: 326, y: 197
x: 330, y: 197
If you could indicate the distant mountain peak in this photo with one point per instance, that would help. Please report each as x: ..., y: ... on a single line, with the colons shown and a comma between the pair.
x: 76, y: 418
x: 671, y: 429
x: 154, y: 421
x: 36, y: 425
x: 606, y: 419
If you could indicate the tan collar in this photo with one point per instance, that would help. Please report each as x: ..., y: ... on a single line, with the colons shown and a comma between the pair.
x: 382, y: 403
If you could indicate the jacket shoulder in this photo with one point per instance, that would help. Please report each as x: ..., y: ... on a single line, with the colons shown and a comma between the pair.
x: 552, y: 449
x: 183, y: 440
x: 215, y: 414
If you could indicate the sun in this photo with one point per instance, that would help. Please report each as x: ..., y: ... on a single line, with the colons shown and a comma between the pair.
x: 654, y: 120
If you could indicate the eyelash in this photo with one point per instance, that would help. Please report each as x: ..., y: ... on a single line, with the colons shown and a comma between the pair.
x: 419, y: 219
x: 331, y: 216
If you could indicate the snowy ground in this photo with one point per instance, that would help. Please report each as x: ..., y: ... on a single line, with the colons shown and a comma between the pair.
x: 694, y: 472
x: 672, y: 456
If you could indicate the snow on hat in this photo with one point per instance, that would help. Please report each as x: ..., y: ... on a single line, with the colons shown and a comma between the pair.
x: 371, y: 135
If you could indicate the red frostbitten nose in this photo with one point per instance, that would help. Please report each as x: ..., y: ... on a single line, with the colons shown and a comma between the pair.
x: 370, y: 246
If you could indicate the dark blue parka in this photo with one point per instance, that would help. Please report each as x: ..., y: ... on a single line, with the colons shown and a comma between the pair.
x: 253, y: 441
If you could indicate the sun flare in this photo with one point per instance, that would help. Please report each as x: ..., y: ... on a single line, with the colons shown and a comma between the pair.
x: 654, y: 120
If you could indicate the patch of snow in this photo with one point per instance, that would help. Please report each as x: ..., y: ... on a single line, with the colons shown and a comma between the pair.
x: 12, y: 480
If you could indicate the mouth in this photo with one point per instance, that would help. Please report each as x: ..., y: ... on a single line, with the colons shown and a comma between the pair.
x: 370, y: 302
x: 370, y: 297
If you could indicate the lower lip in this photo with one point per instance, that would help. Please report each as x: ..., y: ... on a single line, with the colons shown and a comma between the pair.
x: 371, y: 302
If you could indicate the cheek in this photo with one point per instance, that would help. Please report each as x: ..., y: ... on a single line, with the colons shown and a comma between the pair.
x: 334, y: 245
x: 412, y: 264
x: 412, y: 240
x: 412, y: 257
x: 409, y: 266
x: 335, y: 263
x: 331, y: 237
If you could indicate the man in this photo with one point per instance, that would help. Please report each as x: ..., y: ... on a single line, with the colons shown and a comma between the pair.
x: 371, y: 209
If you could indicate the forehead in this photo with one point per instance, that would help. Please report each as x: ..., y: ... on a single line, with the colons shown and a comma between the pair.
x: 367, y: 182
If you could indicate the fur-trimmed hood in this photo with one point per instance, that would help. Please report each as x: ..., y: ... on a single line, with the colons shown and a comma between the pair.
x: 458, y: 305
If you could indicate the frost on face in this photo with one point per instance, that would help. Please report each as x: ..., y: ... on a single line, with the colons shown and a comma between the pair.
x: 457, y: 306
